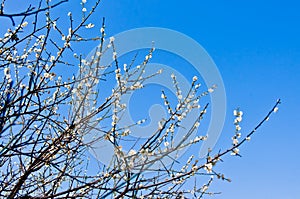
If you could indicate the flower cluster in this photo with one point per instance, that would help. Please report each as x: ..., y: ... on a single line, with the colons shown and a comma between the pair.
x: 235, y: 139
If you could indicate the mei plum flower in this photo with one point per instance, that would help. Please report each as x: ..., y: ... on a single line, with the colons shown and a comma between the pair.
x: 90, y: 25
x: 208, y: 167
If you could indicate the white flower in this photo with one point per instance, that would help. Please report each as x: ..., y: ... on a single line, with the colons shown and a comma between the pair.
x: 6, y: 71
x: 22, y: 85
x: 24, y: 24
x: 52, y: 58
x: 238, y: 119
x: 70, y: 32
x: 83, y: 9
x: 47, y: 75
x: 210, y: 90
x: 54, y: 25
x: 90, y: 25
x: 141, y: 121
x: 24, y: 56
x: 98, y: 53
x: 208, y: 167
x: 237, y: 113
x: 126, y: 132
x: 195, y: 78
x: 136, y: 85
x: 67, y: 44
x: 9, y: 58
x: 235, y: 151
x: 203, y: 112
x: 114, y: 55
x: 275, y: 109
x: 204, y: 188
x: 166, y: 144
x: 69, y: 14
x: 160, y: 125
x: 198, y: 138
x: 125, y: 67
x: 235, y: 141
x: 83, y: 1
x: 194, y: 168
x: 248, y: 138
x: 111, y: 39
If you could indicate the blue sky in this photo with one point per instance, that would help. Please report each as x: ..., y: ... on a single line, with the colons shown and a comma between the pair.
x: 256, y: 46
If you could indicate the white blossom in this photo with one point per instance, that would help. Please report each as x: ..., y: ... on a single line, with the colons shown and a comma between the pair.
x: 166, y: 144
x: 114, y: 55
x: 47, y: 75
x: 52, y: 58
x: 235, y: 151
x: 24, y: 24
x: 111, y: 39
x: 235, y: 141
x: 6, y: 71
x: 195, y: 168
x: 204, y: 188
x: 237, y: 113
x: 198, y: 138
x: 141, y: 121
x: 208, y: 167
x: 210, y: 90
x: 90, y: 25
x: 125, y: 67
x: 239, y: 119
x: 197, y: 124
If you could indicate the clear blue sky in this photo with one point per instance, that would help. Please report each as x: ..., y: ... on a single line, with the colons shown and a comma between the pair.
x: 256, y: 46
